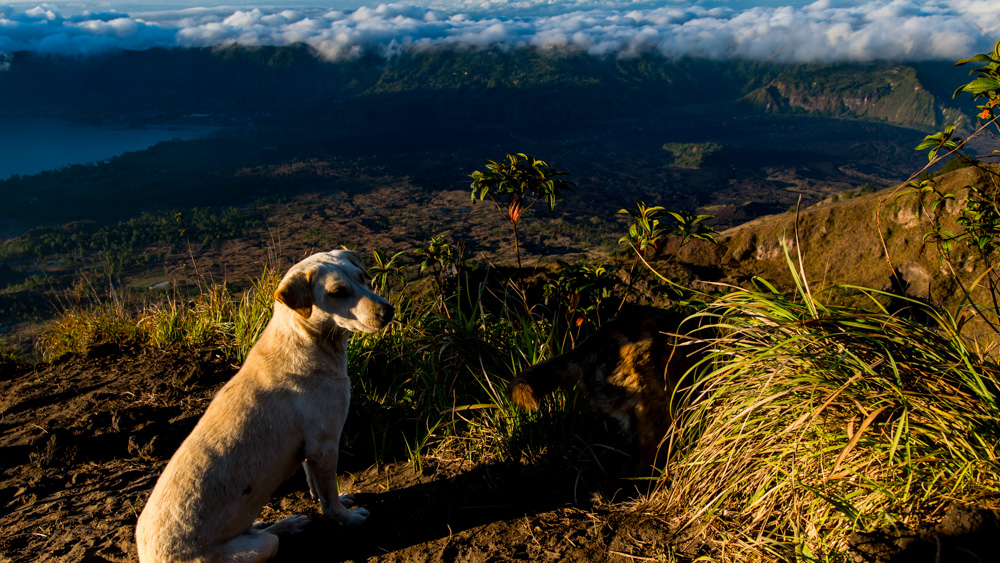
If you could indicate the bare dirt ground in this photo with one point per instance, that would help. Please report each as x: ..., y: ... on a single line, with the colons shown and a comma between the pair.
x: 82, y: 441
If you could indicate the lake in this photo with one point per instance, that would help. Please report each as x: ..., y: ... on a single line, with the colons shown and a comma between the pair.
x: 29, y: 145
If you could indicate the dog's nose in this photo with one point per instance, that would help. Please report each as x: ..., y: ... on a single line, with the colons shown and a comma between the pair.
x: 385, y: 314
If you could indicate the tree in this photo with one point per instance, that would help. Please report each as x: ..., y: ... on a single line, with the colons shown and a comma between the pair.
x: 518, y: 184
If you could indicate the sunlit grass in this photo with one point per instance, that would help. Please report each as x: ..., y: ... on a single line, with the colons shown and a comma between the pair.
x: 819, y: 421
x: 213, y: 316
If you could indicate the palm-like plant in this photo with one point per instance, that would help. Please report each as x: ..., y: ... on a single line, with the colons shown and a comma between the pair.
x: 385, y: 270
x: 691, y: 227
x: 443, y: 258
x: 518, y: 184
x: 648, y: 232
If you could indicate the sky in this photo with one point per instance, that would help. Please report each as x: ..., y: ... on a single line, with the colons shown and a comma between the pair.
x: 770, y: 30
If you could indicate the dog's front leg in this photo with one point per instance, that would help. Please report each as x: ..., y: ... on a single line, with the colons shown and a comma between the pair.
x: 321, y: 473
x: 311, y: 480
x: 345, y: 499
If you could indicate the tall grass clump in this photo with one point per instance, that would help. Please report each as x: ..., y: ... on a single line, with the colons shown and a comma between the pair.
x: 432, y: 386
x: 201, y: 320
x: 88, y: 319
x: 816, y: 421
x: 212, y: 316
x: 253, y: 312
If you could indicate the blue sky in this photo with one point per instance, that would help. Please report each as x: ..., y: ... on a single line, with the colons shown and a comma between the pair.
x: 793, y: 31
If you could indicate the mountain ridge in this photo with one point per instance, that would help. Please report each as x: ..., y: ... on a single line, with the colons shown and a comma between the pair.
x: 515, y: 87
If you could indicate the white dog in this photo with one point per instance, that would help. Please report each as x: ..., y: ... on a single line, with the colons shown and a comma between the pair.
x: 285, y: 407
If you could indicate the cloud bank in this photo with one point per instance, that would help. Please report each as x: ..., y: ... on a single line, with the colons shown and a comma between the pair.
x: 826, y: 30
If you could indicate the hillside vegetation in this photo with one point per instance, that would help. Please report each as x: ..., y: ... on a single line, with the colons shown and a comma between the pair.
x: 893, y: 94
x: 821, y: 418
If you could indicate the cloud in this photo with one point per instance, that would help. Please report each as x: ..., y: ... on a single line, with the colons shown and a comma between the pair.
x: 826, y: 30
x: 43, y: 29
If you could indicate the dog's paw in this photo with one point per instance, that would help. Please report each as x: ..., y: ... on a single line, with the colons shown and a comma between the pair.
x: 347, y: 500
x: 355, y: 516
x: 288, y: 526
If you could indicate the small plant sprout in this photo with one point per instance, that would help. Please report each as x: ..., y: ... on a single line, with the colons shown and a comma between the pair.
x: 646, y: 231
x: 941, y: 140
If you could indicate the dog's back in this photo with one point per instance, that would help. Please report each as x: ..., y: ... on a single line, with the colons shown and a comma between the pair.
x: 629, y: 369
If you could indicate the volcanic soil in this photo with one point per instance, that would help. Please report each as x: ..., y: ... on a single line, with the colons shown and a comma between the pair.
x: 83, y: 439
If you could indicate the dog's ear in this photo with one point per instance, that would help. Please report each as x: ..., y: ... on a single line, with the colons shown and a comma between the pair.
x: 295, y: 291
x: 354, y: 258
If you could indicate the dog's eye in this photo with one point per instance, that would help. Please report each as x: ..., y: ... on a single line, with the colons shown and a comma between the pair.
x: 337, y: 292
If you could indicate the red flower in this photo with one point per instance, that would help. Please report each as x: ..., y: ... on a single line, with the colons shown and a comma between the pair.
x: 986, y: 114
x: 579, y: 321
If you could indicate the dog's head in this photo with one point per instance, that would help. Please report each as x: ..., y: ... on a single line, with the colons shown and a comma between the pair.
x: 330, y: 290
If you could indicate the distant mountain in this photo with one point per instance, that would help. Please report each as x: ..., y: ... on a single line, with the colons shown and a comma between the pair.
x: 888, y: 93
x: 503, y: 88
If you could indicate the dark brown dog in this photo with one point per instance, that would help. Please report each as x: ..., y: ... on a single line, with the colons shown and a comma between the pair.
x: 629, y: 369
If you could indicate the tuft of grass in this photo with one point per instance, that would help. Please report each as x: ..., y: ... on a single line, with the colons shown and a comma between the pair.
x: 214, y: 316
x: 253, y: 313
x: 197, y: 321
x: 90, y: 320
x: 9, y: 353
x: 817, y: 421
x: 435, y: 381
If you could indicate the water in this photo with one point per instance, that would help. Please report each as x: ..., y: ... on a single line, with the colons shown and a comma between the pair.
x: 29, y: 145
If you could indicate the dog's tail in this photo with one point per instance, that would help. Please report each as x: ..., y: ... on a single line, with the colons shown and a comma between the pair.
x: 523, y: 394
x: 528, y: 388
